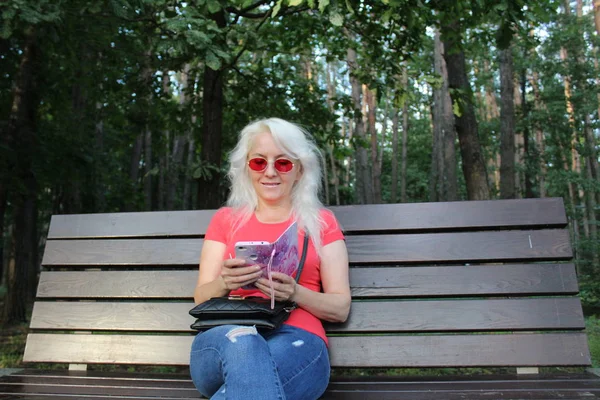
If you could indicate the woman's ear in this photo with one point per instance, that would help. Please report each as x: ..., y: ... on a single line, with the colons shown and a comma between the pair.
x: 300, y: 172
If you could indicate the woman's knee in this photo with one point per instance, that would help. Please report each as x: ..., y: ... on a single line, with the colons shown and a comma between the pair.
x: 230, y: 338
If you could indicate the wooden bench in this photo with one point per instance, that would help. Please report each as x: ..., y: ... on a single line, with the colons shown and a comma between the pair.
x: 462, y: 284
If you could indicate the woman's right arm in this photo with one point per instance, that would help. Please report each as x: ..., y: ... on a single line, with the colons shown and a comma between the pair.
x: 218, y: 276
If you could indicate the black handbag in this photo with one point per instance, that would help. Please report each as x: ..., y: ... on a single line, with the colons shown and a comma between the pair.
x: 249, y: 311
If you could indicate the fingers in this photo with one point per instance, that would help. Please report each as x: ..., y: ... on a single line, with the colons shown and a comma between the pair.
x: 283, y: 291
x: 235, y: 275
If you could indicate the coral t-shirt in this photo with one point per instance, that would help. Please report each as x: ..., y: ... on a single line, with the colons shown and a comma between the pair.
x: 220, y: 229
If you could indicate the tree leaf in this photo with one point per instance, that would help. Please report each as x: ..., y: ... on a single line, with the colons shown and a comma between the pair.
x: 212, y: 61
x: 336, y: 19
x: 213, y: 6
x: 295, y: 3
x: 456, y: 109
x: 323, y: 4
x: 277, y: 8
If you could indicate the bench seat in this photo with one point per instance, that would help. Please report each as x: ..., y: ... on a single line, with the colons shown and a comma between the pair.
x: 476, y: 284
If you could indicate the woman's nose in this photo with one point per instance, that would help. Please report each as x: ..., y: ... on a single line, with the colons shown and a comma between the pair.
x: 270, y: 171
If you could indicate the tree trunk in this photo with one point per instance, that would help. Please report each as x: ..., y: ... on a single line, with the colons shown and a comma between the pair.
x: 334, y: 174
x: 507, y: 126
x: 3, y: 203
x: 134, y: 170
x: 21, y: 132
x: 520, y: 147
x: 437, y: 108
x: 99, y: 192
x: 331, y: 82
x: 403, y: 196
x: 395, y: 123
x: 527, y: 140
x: 539, y: 134
x: 448, y: 189
x: 571, y: 186
x: 492, y: 112
x: 209, y: 186
x: 376, y: 171
x: 363, y: 177
x: 146, y: 77
x: 189, y: 183
x: 466, y: 124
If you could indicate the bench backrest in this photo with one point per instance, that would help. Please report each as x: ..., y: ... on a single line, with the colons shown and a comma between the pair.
x: 461, y: 284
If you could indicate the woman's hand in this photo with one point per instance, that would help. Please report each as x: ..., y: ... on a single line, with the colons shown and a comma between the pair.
x: 284, y: 286
x: 235, y: 274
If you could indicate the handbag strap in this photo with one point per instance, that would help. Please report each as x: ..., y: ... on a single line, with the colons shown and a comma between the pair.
x: 302, y: 258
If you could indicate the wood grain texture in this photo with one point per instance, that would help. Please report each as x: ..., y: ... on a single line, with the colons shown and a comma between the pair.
x: 365, y: 282
x: 354, y: 351
x: 365, y: 317
x: 548, y: 212
x: 58, y: 384
x: 550, y: 244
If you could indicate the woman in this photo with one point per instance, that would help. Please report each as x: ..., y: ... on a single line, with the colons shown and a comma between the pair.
x: 275, y: 178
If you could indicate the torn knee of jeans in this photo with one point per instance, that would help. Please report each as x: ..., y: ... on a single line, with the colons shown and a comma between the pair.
x: 238, y: 331
x: 298, y: 343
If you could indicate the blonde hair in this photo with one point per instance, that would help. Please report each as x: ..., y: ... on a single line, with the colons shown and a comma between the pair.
x: 297, y: 144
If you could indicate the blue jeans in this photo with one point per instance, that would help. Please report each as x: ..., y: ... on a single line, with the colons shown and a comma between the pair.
x: 239, y: 362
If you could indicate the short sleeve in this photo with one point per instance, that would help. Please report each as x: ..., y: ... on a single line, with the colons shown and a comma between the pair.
x: 219, y: 226
x: 331, y: 231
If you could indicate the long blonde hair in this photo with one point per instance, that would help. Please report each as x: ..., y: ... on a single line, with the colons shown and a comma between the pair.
x: 297, y: 144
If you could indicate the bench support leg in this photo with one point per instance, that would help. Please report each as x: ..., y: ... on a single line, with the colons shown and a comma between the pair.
x: 77, y: 367
x: 527, y: 370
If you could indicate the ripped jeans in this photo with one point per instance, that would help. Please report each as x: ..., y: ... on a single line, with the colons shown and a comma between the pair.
x: 238, y: 362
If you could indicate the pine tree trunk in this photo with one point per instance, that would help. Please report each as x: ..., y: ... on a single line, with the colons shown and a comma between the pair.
x: 21, y: 133
x: 539, y: 134
x: 334, y: 174
x: 370, y: 100
x: 520, y: 148
x: 331, y: 83
x: 437, y: 171
x: 573, y: 193
x: 363, y: 177
x: 3, y: 203
x: 99, y: 192
x: 134, y: 168
x: 403, y: 196
x: 395, y: 123
x: 466, y: 124
x: 209, y: 188
x: 447, y: 164
x: 507, y: 126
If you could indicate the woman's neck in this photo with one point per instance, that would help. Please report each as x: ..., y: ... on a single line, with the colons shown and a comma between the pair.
x: 273, y: 213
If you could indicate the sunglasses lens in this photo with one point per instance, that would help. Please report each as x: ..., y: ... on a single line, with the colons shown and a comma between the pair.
x: 257, y: 164
x: 283, y: 165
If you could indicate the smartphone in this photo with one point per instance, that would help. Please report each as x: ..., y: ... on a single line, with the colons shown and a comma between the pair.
x: 283, y: 253
x: 255, y: 253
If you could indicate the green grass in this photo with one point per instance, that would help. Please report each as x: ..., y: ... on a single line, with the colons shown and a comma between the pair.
x: 592, y: 324
x: 12, y: 345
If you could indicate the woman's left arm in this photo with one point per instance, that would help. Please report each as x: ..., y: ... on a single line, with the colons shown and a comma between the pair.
x: 334, y: 303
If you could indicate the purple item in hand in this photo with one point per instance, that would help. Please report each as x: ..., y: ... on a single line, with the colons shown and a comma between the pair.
x: 285, y: 255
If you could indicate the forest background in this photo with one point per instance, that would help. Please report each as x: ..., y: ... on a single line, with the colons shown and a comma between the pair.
x: 132, y: 105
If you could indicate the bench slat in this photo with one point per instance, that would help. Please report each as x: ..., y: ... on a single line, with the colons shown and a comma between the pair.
x: 522, y: 388
x: 552, y: 244
x: 387, y: 316
x: 473, y: 280
x: 376, y: 217
x: 51, y: 384
x: 364, y: 351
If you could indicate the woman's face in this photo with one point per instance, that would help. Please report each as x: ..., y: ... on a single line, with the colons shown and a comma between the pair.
x: 272, y: 186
